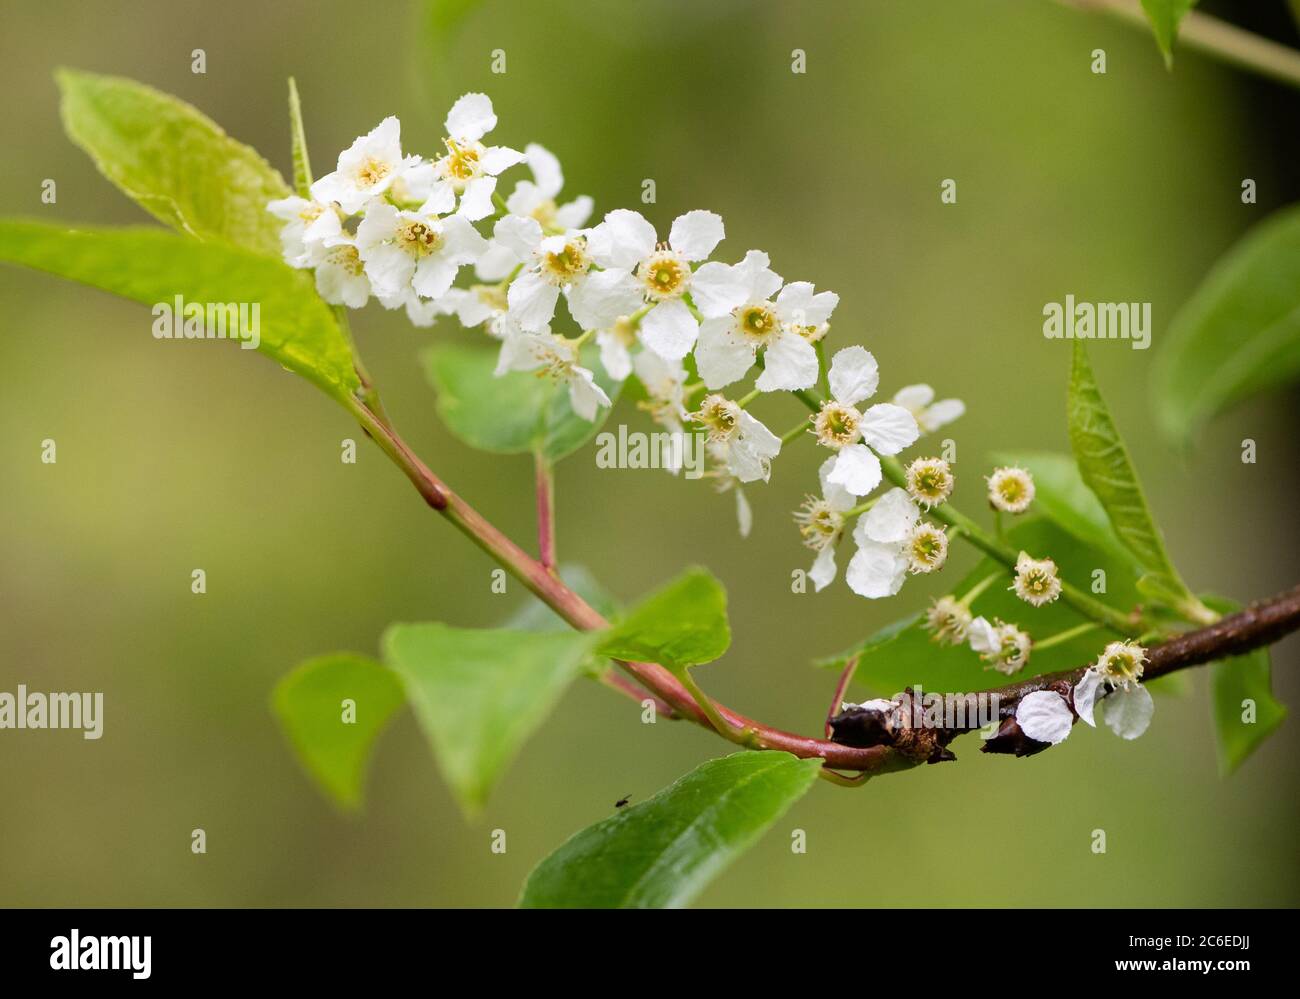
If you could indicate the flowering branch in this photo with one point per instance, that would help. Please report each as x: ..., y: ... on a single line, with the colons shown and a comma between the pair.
x: 902, y: 748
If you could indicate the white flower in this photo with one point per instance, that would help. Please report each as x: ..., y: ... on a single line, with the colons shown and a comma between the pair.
x: 1129, y: 706
x: 930, y: 415
x: 625, y: 244
x: 887, y: 428
x: 740, y: 441
x: 729, y: 344
x: 1003, y: 647
x: 664, y: 383
x: 414, y: 249
x: 340, y: 273
x: 929, y: 481
x: 1011, y: 490
x: 892, y: 540
x: 478, y: 305
x: 947, y: 621
x: 536, y: 198
x: 525, y: 351
x: 366, y: 169
x: 469, y: 168
x: 821, y: 522
x: 1044, y: 716
x: 1036, y: 581
x: 308, y: 225
x: 616, y: 342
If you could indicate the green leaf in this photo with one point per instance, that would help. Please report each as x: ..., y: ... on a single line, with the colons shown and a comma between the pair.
x: 903, y: 654
x: 478, y: 694
x: 1233, y: 682
x: 1165, y: 16
x: 1061, y: 495
x: 310, y: 705
x: 517, y: 413
x: 173, y: 161
x: 684, y: 624
x: 663, y: 852
x: 1107, y: 470
x: 1239, y: 333
x: 302, y: 177
x: 152, y: 266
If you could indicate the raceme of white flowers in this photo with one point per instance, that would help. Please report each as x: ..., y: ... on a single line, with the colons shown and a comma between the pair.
x: 403, y: 230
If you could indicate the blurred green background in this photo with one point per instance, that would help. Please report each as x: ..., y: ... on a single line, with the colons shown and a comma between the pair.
x: 172, y: 456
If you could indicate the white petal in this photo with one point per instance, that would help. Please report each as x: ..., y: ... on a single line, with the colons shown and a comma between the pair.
x: 798, y: 305
x: 789, y: 364
x: 744, y: 514
x: 760, y: 281
x: 983, y: 637
x: 518, y: 353
x: 623, y: 240
x: 822, y: 572
x: 585, y: 396
x: 499, y: 158
x: 836, y: 496
x: 669, y: 329
x: 914, y: 397
x: 462, y: 243
x: 695, y: 234
x: 889, y: 428
x: 532, y: 301
x: 476, y: 199
x: 546, y: 169
x: 602, y: 298
x: 433, y: 276
x: 471, y: 118
x: 441, y: 199
x: 1085, y: 695
x: 892, y: 518
x: 495, y: 264
x: 940, y: 414
x: 856, y: 469
x: 614, y: 357
x: 520, y: 235
x: 876, y: 571
x: 1127, y: 713
x: 574, y: 215
x: 757, y: 436
x: 854, y: 375
x: 720, y: 357
x: 378, y: 226
x: 1044, y: 717
x: 718, y: 288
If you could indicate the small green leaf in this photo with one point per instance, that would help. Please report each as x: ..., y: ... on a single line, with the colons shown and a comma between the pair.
x: 334, y: 740
x: 1239, y: 333
x: 663, y: 852
x: 153, y: 266
x: 1165, y: 16
x: 517, y: 413
x: 903, y: 654
x: 478, y: 694
x: 1107, y: 470
x: 1061, y: 495
x: 173, y: 161
x: 684, y: 624
x: 302, y: 177
x: 1233, y: 683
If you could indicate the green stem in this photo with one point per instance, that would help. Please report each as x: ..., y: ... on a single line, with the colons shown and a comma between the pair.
x: 1065, y: 636
x: 794, y: 432
x: 973, y: 594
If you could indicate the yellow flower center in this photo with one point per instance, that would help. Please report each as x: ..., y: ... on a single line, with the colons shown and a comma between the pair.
x: 837, y: 425
x: 462, y: 163
x: 720, y: 417
x: 758, y: 322
x: 664, y: 275
x: 371, y: 171
x: 348, y: 258
x: 418, y: 238
x: 567, y: 264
